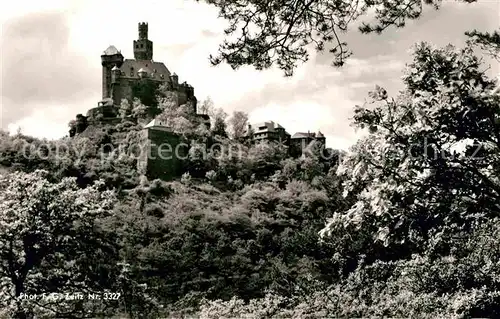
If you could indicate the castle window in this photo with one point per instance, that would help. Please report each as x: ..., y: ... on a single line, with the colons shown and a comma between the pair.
x: 137, y: 46
x: 142, y: 46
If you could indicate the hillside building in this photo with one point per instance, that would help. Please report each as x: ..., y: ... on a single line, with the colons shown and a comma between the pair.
x: 273, y: 132
x: 269, y: 131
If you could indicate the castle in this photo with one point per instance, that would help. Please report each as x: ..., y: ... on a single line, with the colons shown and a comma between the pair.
x: 125, y: 80
x: 139, y: 78
x: 128, y: 79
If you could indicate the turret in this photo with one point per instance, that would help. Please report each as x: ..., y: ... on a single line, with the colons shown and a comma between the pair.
x: 320, y: 137
x: 115, y: 75
x: 81, y: 123
x: 175, y: 79
x: 143, y: 31
x: 110, y: 58
x: 115, y: 82
x: 143, y: 47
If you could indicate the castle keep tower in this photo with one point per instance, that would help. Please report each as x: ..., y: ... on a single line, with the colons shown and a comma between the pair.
x: 143, y: 47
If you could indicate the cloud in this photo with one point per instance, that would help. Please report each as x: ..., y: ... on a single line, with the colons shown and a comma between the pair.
x: 321, y: 98
x: 51, y: 62
x: 209, y: 33
x: 304, y: 116
x: 39, y: 67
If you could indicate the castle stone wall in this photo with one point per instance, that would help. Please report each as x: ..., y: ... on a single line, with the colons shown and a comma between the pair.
x: 163, y: 154
x: 123, y: 91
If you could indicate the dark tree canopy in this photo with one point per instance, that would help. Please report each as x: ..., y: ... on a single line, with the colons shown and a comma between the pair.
x: 279, y: 32
x: 487, y: 41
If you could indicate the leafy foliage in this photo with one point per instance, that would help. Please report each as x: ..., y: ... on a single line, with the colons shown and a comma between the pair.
x: 219, y: 120
x: 489, y: 42
x: 411, y: 213
x: 430, y: 167
x: 238, y: 121
x: 50, y: 239
x: 125, y: 109
x: 212, y: 244
x: 417, y: 230
x: 146, y: 91
x: 278, y: 32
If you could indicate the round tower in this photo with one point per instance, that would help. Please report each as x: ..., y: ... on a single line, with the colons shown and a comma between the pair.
x: 109, y: 59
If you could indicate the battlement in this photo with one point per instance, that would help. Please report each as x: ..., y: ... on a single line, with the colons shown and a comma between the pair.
x: 143, y: 47
x: 109, y: 60
x: 143, y: 30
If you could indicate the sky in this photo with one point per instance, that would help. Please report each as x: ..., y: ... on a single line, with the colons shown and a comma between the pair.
x: 50, y: 52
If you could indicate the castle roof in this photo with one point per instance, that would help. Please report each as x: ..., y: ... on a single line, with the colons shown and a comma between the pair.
x: 270, y: 126
x: 157, y: 124
x: 131, y: 66
x: 320, y: 134
x: 111, y: 50
x: 115, y: 68
x: 304, y: 135
x: 266, y: 127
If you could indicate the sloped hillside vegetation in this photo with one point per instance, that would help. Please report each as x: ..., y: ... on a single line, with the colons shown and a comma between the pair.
x: 403, y: 225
